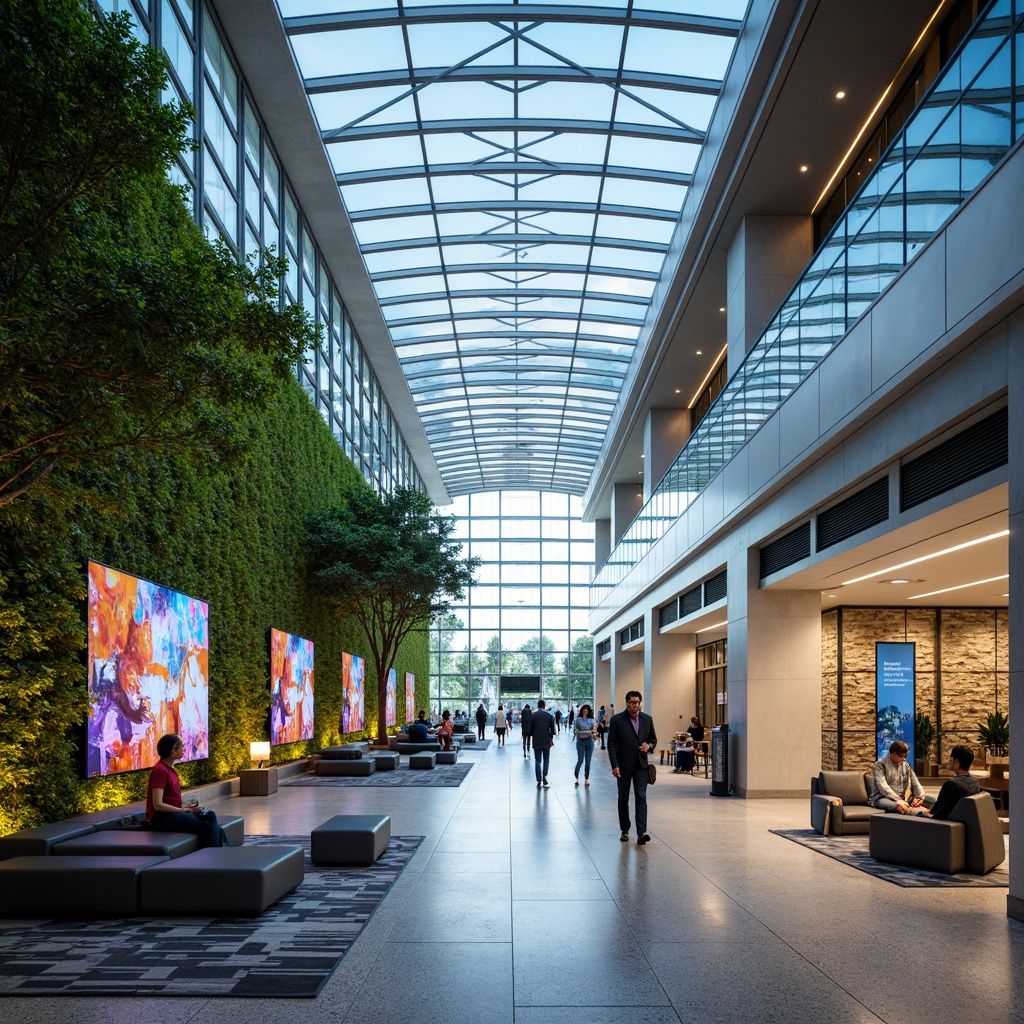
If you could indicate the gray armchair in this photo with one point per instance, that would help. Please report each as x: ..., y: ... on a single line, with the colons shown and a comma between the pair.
x: 839, y: 803
x: 971, y: 839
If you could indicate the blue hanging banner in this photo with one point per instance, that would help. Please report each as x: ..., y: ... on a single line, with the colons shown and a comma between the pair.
x: 894, y: 686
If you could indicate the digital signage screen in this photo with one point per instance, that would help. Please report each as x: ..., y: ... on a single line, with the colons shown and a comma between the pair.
x: 353, y: 675
x: 291, y: 688
x: 410, y: 697
x: 391, y: 713
x: 895, y: 696
x: 147, y: 671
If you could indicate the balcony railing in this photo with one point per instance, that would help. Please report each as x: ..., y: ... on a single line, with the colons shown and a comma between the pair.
x: 968, y: 120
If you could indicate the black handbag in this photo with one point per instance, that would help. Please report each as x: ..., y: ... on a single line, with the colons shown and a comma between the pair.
x: 652, y: 774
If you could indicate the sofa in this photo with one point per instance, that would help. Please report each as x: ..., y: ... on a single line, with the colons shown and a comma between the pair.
x: 839, y: 803
x: 970, y: 840
x: 99, y: 865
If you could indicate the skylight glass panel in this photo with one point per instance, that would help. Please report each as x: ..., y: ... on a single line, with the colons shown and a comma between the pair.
x: 505, y: 255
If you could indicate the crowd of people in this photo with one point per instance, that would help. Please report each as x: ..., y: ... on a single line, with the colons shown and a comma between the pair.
x: 629, y: 738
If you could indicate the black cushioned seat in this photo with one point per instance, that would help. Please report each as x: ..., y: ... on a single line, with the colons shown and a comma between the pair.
x: 129, y: 843
x: 346, y: 752
x: 350, y: 839
x: 447, y: 756
x: 222, y: 881
x: 418, y: 748
x: 386, y: 761
x: 424, y: 760
x: 82, y: 886
x: 364, y: 766
x: 39, y: 841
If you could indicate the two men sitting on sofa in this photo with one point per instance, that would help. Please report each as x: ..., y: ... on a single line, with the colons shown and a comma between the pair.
x: 895, y: 786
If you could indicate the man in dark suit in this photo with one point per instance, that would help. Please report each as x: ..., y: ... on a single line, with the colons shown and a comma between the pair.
x: 630, y: 737
x: 542, y: 736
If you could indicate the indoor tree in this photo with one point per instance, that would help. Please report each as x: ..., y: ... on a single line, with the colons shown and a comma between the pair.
x: 387, y: 562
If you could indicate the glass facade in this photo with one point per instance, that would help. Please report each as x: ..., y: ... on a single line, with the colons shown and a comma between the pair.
x: 239, y: 193
x: 527, y: 615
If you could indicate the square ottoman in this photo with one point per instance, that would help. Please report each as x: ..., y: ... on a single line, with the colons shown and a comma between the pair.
x: 447, y: 756
x: 386, y: 761
x: 227, y: 881
x: 350, y: 839
x: 422, y: 760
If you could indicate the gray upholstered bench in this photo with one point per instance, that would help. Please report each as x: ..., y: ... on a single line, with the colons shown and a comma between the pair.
x: 350, y: 839
x: 128, y: 843
x: 364, y: 766
x: 81, y: 886
x: 470, y: 737
x: 386, y: 761
x: 222, y: 882
x: 423, y: 760
x: 447, y: 756
x: 348, y: 752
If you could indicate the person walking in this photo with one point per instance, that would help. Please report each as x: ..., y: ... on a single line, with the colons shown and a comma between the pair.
x: 525, y: 717
x: 542, y: 734
x: 499, y: 725
x: 602, y: 724
x: 481, y: 720
x: 630, y: 737
x: 583, y: 728
x: 558, y: 719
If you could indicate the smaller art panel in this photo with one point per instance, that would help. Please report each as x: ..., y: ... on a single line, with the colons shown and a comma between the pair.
x: 410, y: 696
x: 353, y: 711
x: 392, y: 699
x: 291, y: 688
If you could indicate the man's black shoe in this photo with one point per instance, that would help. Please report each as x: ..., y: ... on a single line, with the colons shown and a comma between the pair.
x: 624, y: 838
x: 640, y: 840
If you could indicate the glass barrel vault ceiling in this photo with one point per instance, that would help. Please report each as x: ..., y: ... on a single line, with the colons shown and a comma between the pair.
x: 514, y: 173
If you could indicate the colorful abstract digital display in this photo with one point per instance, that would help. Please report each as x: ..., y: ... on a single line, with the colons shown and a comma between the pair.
x: 148, y: 671
x: 391, y: 713
x: 410, y: 696
x: 291, y: 688
x: 353, y: 675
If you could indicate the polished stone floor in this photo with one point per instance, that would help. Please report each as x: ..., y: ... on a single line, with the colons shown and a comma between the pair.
x: 523, y: 906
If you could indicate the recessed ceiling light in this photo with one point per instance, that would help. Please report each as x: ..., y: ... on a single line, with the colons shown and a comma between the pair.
x: 643, y: 456
x: 924, y: 558
x: 901, y: 581
x: 841, y: 95
x: 700, y: 351
x: 677, y: 391
x: 962, y: 586
x: 803, y: 168
x: 721, y: 309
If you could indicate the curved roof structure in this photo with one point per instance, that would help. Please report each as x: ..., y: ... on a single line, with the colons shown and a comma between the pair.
x: 514, y: 173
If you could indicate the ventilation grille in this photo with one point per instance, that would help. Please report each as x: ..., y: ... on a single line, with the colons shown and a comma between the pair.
x: 970, y: 454
x: 716, y: 588
x: 668, y: 613
x: 604, y: 648
x: 631, y: 633
x: 786, y: 551
x: 868, y: 507
x: 691, y: 601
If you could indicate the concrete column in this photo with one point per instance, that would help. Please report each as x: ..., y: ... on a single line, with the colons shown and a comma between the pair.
x: 1015, y: 898
x: 602, y: 541
x: 670, y: 667
x: 665, y: 433
x: 765, y: 258
x: 602, y: 681
x: 774, y: 684
x: 627, y: 674
x: 627, y: 500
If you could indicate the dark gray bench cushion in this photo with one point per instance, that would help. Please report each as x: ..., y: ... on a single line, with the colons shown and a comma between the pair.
x: 364, y: 766
x: 222, y: 882
x: 386, y: 761
x: 418, y: 748
x: 346, y: 752
x: 350, y: 839
x: 39, y: 841
x: 422, y: 760
x: 447, y: 756
x: 129, y: 843
x: 84, y: 886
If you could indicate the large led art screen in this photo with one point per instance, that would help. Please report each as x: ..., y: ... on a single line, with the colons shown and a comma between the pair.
x: 410, y: 697
x: 148, y: 671
x: 353, y: 711
x: 291, y: 688
x: 391, y: 710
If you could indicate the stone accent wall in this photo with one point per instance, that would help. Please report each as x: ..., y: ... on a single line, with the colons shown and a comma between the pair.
x: 964, y: 652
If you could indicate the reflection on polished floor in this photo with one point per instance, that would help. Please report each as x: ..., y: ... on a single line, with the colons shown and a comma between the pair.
x: 523, y: 906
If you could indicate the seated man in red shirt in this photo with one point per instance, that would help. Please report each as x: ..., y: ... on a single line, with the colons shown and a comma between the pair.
x: 164, y: 811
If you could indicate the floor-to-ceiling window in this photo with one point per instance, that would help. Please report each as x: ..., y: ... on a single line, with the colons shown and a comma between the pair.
x: 524, y: 624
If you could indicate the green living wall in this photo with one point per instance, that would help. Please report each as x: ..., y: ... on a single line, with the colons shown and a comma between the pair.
x: 232, y: 535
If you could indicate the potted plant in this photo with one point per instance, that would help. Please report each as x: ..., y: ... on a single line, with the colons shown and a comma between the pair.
x: 924, y: 735
x: 994, y: 733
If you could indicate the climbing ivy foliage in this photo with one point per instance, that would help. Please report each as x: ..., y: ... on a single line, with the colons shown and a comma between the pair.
x: 231, y: 532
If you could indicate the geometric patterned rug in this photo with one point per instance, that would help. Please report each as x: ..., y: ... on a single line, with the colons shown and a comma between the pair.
x: 287, y: 952
x: 440, y: 775
x: 853, y: 851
